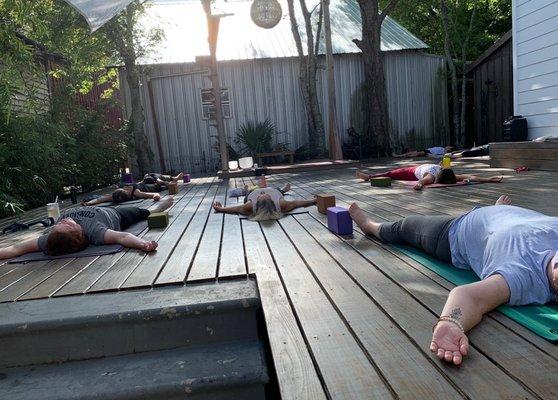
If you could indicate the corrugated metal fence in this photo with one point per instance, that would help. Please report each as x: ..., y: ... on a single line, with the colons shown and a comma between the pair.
x: 269, y: 88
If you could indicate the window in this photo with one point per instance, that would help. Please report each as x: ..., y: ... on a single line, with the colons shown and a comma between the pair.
x: 208, y: 103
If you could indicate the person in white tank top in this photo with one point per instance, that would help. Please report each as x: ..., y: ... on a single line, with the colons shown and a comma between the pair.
x: 264, y: 204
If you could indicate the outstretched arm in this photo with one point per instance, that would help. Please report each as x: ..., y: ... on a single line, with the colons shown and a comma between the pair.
x: 147, y: 195
x: 466, y: 305
x: 287, y: 206
x: 474, y: 178
x: 102, y: 199
x: 244, y: 209
x: 16, y: 250
x: 126, y: 239
x: 426, y: 180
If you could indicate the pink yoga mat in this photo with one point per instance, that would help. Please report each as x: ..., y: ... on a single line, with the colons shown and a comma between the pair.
x: 439, y: 185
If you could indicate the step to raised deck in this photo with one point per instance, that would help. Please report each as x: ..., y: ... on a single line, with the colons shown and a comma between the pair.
x: 226, y: 371
x: 173, y: 342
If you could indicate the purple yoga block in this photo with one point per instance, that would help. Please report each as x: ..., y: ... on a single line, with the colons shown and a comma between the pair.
x: 127, y: 178
x: 339, y: 221
x: 186, y: 178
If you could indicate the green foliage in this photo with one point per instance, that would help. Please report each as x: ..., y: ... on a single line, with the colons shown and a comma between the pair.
x: 255, y: 137
x: 40, y: 155
x: 422, y: 18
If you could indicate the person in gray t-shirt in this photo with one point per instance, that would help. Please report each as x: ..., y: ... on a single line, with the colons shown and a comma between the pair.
x: 79, y: 227
x: 513, y: 250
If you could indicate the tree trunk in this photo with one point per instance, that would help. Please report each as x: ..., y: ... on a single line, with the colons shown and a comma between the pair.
x: 307, y: 76
x: 137, y: 119
x: 375, y: 109
x: 456, y: 115
x: 335, y: 149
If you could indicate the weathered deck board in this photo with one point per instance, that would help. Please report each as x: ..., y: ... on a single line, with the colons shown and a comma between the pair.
x: 346, y: 370
x: 368, y: 322
x: 534, y: 359
x: 148, y: 269
x: 346, y: 318
x: 206, y: 261
x: 120, y: 271
x: 177, y: 267
x: 296, y: 373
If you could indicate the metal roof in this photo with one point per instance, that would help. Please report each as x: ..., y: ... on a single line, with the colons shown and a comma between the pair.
x: 185, y: 31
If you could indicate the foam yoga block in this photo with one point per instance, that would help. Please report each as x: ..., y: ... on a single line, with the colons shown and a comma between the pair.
x: 339, y: 221
x: 380, y: 182
x: 324, y: 201
x: 186, y: 178
x: 173, y: 188
x: 158, y: 219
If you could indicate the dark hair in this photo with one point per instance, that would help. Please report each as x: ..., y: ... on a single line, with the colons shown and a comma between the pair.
x: 446, y: 176
x: 120, y: 196
x: 149, y: 178
x: 59, y: 243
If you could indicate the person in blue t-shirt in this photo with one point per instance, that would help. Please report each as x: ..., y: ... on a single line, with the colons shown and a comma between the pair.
x: 512, y: 249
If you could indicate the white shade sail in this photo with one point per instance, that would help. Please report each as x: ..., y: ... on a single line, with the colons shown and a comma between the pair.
x: 98, y: 12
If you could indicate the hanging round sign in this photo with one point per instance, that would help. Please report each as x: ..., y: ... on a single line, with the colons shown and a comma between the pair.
x: 266, y: 13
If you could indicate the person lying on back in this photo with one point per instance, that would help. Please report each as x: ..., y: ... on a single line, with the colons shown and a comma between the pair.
x: 513, y: 251
x: 123, y: 195
x: 79, y: 227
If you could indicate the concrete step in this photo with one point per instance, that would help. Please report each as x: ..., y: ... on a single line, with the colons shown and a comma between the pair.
x: 226, y: 371
x: 103, y: 325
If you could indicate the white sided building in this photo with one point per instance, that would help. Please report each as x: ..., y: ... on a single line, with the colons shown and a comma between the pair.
x: 535, y: 56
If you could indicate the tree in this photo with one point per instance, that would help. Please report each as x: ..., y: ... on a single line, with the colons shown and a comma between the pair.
x: 307, y: 56
x: 375, y: 108
x: 454, y: 28
x: 461, y: 30
x: 129, y: 43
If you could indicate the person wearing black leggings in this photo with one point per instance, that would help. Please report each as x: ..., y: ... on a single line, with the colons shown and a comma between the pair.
x: 513, y: 251
x: 80, y: 227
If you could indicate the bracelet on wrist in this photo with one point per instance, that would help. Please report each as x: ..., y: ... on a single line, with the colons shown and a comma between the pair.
x: 449, y: 319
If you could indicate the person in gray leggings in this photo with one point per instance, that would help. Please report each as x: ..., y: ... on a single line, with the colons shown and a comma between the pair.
x: 513, y: 250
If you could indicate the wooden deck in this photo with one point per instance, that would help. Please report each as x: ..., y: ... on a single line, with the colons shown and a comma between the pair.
x: 346, y: 318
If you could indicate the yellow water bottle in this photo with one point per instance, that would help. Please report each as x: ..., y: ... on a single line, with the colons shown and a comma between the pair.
x: 446, y: 162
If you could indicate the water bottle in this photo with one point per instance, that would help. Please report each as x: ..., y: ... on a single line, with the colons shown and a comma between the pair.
x: 446, y: 162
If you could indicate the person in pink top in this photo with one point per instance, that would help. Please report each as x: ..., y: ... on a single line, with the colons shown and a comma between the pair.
x: 426, y: 174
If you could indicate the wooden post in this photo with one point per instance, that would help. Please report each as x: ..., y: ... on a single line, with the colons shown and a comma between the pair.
x: 335, y: 150
x: 212, y: 37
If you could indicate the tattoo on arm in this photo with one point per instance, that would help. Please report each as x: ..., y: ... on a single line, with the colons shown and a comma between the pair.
x: 456, y: 313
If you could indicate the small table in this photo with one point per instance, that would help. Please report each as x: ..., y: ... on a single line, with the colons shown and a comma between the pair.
x: 288, y: 153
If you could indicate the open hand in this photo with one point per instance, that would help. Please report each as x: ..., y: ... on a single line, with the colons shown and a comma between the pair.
x: 418, y: 186
x: 496, y: 179
x: 217, y: 206
x: 449, y: 343
x: 149, y: 246
x: 156, y: 197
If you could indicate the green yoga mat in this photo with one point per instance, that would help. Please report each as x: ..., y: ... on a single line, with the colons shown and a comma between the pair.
x: 543, y: 320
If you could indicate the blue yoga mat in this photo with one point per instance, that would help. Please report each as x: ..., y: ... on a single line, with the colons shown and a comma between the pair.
x: 540, y: 319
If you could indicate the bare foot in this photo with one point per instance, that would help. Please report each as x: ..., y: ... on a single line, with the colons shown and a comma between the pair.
x: 287, y: 188
x: 178, y: 177
x: 503, y: 200
x: 165, y: 204
x: 362, y: 175
x: 363, y: 221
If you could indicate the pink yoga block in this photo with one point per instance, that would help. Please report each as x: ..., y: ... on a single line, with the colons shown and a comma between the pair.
x: 186, y: 178
x: 339, y: 221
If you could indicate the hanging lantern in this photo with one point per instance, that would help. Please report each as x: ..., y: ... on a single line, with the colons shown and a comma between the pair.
x: 266, y: 13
